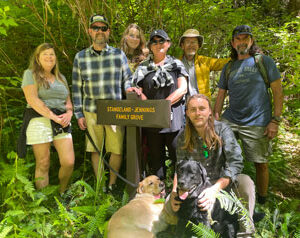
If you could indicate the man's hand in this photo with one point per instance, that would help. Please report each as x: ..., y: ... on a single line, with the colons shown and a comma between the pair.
x: 208, y: 197
x: 82, y: 123
x: 271, y: 130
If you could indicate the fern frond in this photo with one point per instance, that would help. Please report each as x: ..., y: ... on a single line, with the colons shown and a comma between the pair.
x: 125, y: 198
x: 232, y: 204
x: 90, y: 210
x: 297, y: 234
x: 13, y: 213
x: 63, y: 211
x: 203, y: 231
x: 5, y: 231
x: 89, y: 191
x: 99, y: 219
x: 39, y: 210
x: 28, y: 188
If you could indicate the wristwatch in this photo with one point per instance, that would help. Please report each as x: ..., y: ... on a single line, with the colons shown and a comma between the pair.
x: 277, y: 118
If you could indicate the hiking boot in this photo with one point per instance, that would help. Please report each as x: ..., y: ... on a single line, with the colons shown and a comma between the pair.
x: 258, y: 216
x: 261, y: 199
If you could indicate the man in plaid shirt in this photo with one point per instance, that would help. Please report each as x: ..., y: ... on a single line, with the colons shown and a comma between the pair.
x: 100, y: 72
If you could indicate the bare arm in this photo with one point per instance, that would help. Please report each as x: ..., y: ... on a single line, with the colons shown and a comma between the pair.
x: 272, y: 128
x: 219, y: 103
x: 179, y: 92
x: 276, y: 88
x: 31, y: 95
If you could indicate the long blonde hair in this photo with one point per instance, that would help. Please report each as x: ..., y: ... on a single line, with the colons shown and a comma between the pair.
x: 211, y: 139
x: 37, y: 69
x: 138, y: 55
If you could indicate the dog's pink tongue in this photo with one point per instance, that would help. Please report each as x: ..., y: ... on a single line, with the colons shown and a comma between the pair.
x: 184, y: 196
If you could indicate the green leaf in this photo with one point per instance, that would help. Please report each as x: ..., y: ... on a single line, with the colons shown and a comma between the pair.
x: 5, y: 231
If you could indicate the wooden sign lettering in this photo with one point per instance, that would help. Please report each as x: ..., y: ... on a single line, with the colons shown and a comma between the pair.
x: 148, y: 113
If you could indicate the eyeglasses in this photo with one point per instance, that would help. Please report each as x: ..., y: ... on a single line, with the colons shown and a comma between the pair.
x: 97, y: 28
x: 160, y: 41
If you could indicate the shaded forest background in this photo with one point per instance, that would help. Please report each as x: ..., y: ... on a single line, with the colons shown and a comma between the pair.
x: 24, y: 24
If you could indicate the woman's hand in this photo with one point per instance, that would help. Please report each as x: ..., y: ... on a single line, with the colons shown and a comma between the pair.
x: 138, y: 91
x: 65, y: 118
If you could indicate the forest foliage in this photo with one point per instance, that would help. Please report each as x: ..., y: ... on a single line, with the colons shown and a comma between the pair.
x: 24, y: 24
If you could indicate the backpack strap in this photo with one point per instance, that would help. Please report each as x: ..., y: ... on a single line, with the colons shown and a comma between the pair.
x: 258, y: 58
x: 227, y: 71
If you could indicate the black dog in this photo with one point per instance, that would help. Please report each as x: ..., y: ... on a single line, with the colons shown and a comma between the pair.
x: 192, y: 180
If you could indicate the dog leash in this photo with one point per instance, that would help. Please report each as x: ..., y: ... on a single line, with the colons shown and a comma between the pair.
x: 107, y: 164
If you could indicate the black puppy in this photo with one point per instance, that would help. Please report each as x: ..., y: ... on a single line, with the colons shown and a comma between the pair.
x: 192, y: 180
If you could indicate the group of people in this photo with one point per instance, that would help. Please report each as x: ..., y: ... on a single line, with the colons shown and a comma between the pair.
x: 197, y: 130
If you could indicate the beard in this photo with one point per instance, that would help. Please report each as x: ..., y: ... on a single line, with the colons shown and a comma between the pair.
x: 243, y: 49
x: 100, y: 39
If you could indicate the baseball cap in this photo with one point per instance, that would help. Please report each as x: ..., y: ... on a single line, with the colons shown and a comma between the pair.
x: 242, y: 29
x: 98, y: 18
x: 160, y: 33
x: 192, y: 33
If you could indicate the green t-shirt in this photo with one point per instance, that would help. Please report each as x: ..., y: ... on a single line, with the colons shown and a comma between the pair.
x: 54, y: 97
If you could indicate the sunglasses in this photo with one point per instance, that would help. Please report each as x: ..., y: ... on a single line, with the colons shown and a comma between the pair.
x: 160, y: 41
x: 97, y: 28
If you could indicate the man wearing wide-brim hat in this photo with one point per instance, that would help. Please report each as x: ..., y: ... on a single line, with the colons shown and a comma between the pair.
x: 198, y: 66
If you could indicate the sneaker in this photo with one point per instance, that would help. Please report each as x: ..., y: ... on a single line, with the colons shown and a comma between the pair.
x: 112, y: 189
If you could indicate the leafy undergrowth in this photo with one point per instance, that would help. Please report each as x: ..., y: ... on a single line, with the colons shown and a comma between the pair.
x: 83, y: 211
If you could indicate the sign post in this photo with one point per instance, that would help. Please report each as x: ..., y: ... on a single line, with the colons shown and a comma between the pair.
x: 134, y: 113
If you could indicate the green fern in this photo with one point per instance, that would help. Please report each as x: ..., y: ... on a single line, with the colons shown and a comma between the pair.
x: 232, y: 204
x: 203, y: 231
x: 28, y: 188
x: 4, y: 232
x: 125, y: 198
x: 98, y: 220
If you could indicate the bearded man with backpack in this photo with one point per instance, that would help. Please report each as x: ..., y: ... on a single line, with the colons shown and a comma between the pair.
x: 247, y: 78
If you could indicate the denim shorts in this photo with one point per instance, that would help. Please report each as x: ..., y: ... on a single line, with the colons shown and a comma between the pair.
x: 256, y: 146
x: 39, y: 131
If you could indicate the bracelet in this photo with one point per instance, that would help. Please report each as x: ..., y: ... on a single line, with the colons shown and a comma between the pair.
x: 275, y: 122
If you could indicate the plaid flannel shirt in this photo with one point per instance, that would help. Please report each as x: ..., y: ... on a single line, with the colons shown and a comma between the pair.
x: 98, y: 76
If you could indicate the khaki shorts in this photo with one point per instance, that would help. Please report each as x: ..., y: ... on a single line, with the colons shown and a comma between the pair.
x: 39, y: 131
x: 256, y: 146
x: 112, y: 135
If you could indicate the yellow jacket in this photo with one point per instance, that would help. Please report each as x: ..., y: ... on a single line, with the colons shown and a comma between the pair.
x: 203, y: 66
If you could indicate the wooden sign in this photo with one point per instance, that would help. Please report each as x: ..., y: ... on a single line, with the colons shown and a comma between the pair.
x: 134, y: 113
x: 148, y: 113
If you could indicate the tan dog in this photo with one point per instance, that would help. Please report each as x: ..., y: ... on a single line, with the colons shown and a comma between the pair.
x: 141, y: 217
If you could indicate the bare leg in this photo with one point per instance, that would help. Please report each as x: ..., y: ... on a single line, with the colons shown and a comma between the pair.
x: 115, y: 162
x: 66, y: 156
x: 262, y: 178
x: 42, y: 158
